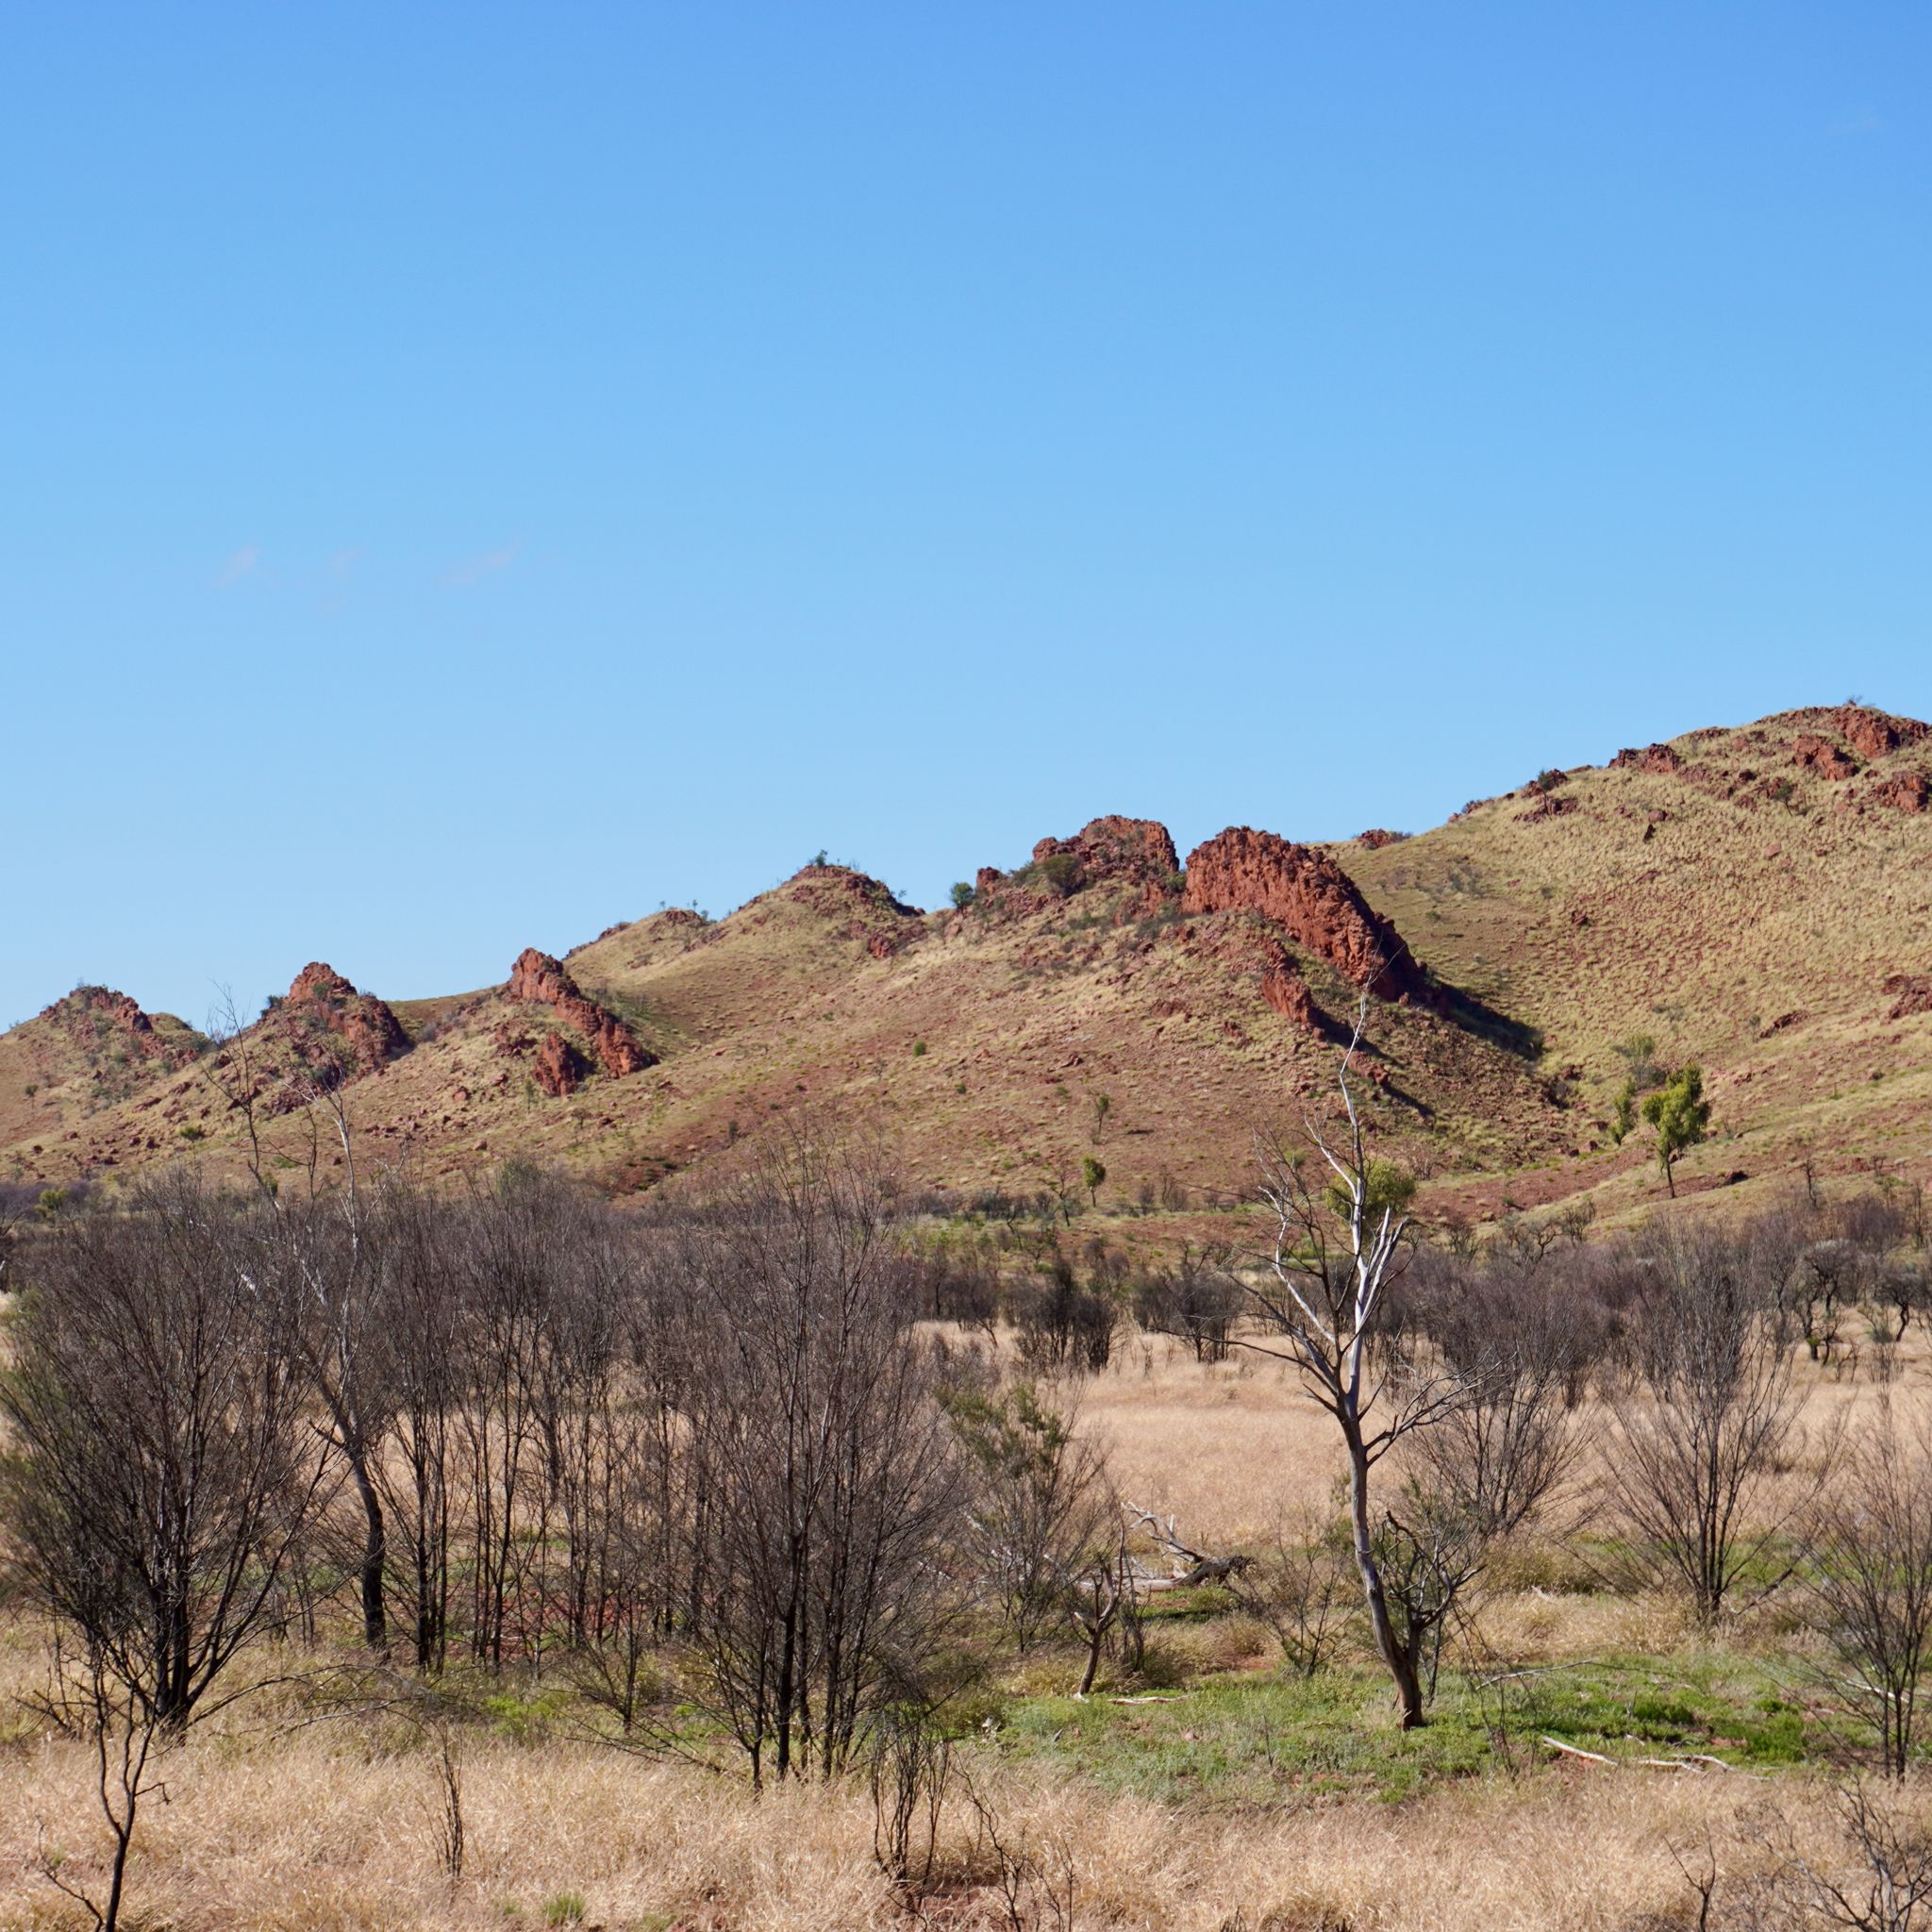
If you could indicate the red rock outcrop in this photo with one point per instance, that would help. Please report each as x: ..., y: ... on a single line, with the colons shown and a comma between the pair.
x: 320, y: 1002
x: 543, y: 981
x: 1872, y: 733
x: 1106, y: 851
x: 1815, y: 754
x: 1375, y: 838
x: 1311, y: 898
x: 96, y: 1015
x: 1141, y: 850
x: 1910, y: 791
x: 1548, y: 806
x: 1287, y: 991
x: 561, y: 1068
x: 1658, y: 759
x: 1911, y: 993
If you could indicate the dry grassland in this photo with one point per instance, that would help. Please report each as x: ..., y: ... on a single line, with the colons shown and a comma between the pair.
x: 281, y: 1814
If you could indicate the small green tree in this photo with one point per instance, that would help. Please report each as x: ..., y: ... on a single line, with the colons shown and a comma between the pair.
x: 963, y: 894
x: 1390, y: 1188
x: 1624, y: 1114
x: 1681, y: 1116
x: 1091, y: 1174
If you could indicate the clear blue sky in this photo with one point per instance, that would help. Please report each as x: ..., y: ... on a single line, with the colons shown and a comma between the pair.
x: 473, y: 472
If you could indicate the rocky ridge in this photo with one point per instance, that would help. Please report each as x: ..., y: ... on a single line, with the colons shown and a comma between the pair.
x: 538, y: 979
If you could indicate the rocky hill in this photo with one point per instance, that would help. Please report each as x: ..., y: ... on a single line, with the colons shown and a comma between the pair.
x: 1757, y: 899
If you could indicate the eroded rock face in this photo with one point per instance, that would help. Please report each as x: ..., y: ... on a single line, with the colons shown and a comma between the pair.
x: 1658, y: 759
x: 1377, y: 837
x: 1910, y: 791
x: 1106, y: 851
x: 1287, y: 991
x: 1912, y: 995
x: 543, y: 981
x: 1876, y: 734
x: 559, y: 1068
x: 323, y: 1001
x: 1311, y: 898
x: 1812, y: 753
x: 1136, y: 850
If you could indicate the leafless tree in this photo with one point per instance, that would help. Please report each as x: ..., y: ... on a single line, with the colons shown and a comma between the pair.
x: 1510, y: 1328
x: 835, y: 1485
x: 1336, y: 1250
x: 423, y: 1331
x: 316, y: 1265
x: 1301, y: 1585
x: 1707, y: 1423
x: 161, y: 1473
x: 1195, y: 1298
x: 910, y: 1766
x: 1870, y: 1577
x: 1104, y: 1594
x: 1885, y: 1884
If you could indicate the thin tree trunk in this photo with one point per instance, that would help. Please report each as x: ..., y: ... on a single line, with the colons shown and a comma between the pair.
x: 375, y: 1554
x: 1408, y: 1694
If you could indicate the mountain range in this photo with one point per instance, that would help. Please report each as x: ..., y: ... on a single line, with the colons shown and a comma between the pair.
x: 1757, y: 900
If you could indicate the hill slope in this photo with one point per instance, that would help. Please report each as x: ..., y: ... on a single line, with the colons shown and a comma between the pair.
x: 1757, y: 899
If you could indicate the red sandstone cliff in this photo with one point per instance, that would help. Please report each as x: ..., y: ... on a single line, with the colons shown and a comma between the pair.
x: 1311, y: 898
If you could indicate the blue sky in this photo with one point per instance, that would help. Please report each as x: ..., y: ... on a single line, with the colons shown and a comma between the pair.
x: 473, y: 473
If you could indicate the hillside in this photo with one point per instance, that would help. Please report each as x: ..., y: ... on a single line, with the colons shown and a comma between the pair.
x: 1755, y: 898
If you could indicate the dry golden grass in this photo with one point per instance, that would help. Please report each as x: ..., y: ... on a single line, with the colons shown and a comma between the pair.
x: 315, y: 1833
x: 277, y: 1820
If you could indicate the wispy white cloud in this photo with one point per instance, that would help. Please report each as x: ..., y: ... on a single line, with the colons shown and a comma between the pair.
x: 342, y: 562
x: 1864, y: 122
x: 472, y: 569
x: 237, y: 565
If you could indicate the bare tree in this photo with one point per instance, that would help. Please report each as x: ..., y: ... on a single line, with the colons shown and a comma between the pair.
x: 1870, y: 1577
x: 1706, y: 1423
x: 1301, y: 1585
x: 1884, y: 1886
x: 1509, y: 1329
x: 1335, y: 1252
x: 1195, y: 1298
x: 834, y: 1484
x: 161, y: 1474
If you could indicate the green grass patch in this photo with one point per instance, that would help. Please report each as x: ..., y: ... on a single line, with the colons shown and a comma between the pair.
x: 1246, y: 1738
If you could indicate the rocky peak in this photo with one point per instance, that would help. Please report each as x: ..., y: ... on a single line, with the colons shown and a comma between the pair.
x: 97, y: 1016
x: 320, y: 1002
x: 863, y: 904
x: 538, y: 980
x: 1872, y: 734
x: 1311, y: 898
x: 1660, y: 760
x: 1106, y: 851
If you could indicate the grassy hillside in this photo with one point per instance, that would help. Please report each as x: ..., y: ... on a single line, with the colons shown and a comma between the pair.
x: 1723, y: 897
